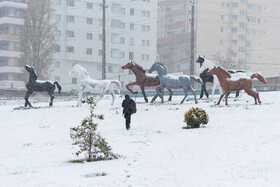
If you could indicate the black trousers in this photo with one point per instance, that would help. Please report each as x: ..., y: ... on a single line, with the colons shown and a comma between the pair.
x: 127, y: 117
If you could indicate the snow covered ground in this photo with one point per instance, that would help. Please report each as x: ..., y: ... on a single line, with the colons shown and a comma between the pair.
x: 239, y: 146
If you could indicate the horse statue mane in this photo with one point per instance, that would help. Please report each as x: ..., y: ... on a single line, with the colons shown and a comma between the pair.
x: 161, y: 64
x: 224, y: 71
x: 139, y: 67
x: 82, y: 68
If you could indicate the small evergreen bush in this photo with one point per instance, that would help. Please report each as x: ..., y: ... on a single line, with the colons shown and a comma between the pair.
x: 88, y: 140
x: 194, y: 117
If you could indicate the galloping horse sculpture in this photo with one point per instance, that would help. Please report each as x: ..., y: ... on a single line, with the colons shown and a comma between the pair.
x: 205, y: 65
x: 38, y: 85
x: 236, y: 85
x: 88, y: 84
x: 143, y: 80
x: 173, y: 82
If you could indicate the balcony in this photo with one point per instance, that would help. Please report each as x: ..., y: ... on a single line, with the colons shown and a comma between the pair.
x: 20, y: 4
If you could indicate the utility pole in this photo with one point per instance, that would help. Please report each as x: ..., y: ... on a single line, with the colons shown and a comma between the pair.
x: 192, y: 42
x: 104, y: 40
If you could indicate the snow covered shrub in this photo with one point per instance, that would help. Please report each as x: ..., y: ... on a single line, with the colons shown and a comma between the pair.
x: 88, y: 140
x: 194, y: 117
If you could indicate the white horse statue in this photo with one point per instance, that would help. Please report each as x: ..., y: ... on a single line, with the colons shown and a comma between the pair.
x: 209, y: 64
x: 88, y: 84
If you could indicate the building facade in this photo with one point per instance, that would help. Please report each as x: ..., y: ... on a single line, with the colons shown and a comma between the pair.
x: 130, y: 35
x: 11, y: 22
x: 174, y: 35
x: 245, y: 30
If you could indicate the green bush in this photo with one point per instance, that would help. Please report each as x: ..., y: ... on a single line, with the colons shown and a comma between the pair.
x: 194, y: 117
x: 88, y: 140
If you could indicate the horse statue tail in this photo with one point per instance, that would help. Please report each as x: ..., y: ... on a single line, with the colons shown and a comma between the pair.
x: 196, y: 79
x: 118, y: 83
x: 58, y: 86
x: 259, y: 77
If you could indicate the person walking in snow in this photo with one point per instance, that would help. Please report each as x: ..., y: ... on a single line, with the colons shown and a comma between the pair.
x: 129, y: 107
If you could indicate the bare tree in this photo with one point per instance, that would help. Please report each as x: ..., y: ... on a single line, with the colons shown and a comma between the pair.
x: 37, y: 37
x: 227, y: 60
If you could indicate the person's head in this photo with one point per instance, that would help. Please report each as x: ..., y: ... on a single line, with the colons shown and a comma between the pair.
x: 127, y: 96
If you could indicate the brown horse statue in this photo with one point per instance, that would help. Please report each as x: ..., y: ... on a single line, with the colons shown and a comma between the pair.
x: 143, y: 80
x: 236, y: 85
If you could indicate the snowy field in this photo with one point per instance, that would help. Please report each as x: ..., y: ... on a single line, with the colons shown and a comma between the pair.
x: 239, y: 147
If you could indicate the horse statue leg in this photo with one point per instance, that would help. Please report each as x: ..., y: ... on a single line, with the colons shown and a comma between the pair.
x: 144, y: 94
x: 162, y: 93
x: 113, y: 96
x: 28, y: 93
x: 194, y: 94
x: 186, y: 95
x: 221, y: 97
x: 159, y: 92
x: 154, y: 98
x: 241, y: 93
x: 170, y: 94
x: 130, y: 90
x: 80, y: 98
x: 201, y: 92
x: 101, y: 95
x: 50, y: 92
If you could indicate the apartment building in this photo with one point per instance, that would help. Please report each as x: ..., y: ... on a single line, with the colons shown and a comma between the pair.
x: 130, y: 35
x: 174, y: 35
x: 11, y: 22
x: 249, y: 29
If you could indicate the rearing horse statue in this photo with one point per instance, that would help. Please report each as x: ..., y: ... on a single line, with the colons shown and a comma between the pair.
x: 143, y: 80
x: 39, y: 86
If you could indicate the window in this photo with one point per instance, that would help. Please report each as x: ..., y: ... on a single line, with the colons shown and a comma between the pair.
x: 248, y: 44
x: 100, y: 37
x: 145, y: 13
x: 70, y: 49
x: 116, y: 53
x: 99, y: 67
x: 89, y: 51
x: 57, y: 17
x: 89, y: 20
x: 89, y: 5
x: 110, y: 69
x: 57, y: 33
x: 147, y: 57
x: 131, y: 55
x: 70, y: 34
x: 70, y: 18
x: 57, y: 2
x: 116, y: 8
x: 57, y: 64
x: 241, y: 37
x: 131, y: 41
x: 100, y: 52
x: 70, y: 3
x: 57, y: 78
x: 132, y: 11
x: 240, y: 49
x: 131, y: 26
x: 57, y: 48
x: 117, y: 24
x: 89, y: 36
x: 74, y: 80
x: 145, y: 28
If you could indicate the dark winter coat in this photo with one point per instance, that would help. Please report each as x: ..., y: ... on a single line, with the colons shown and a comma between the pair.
x: 126, y: 104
